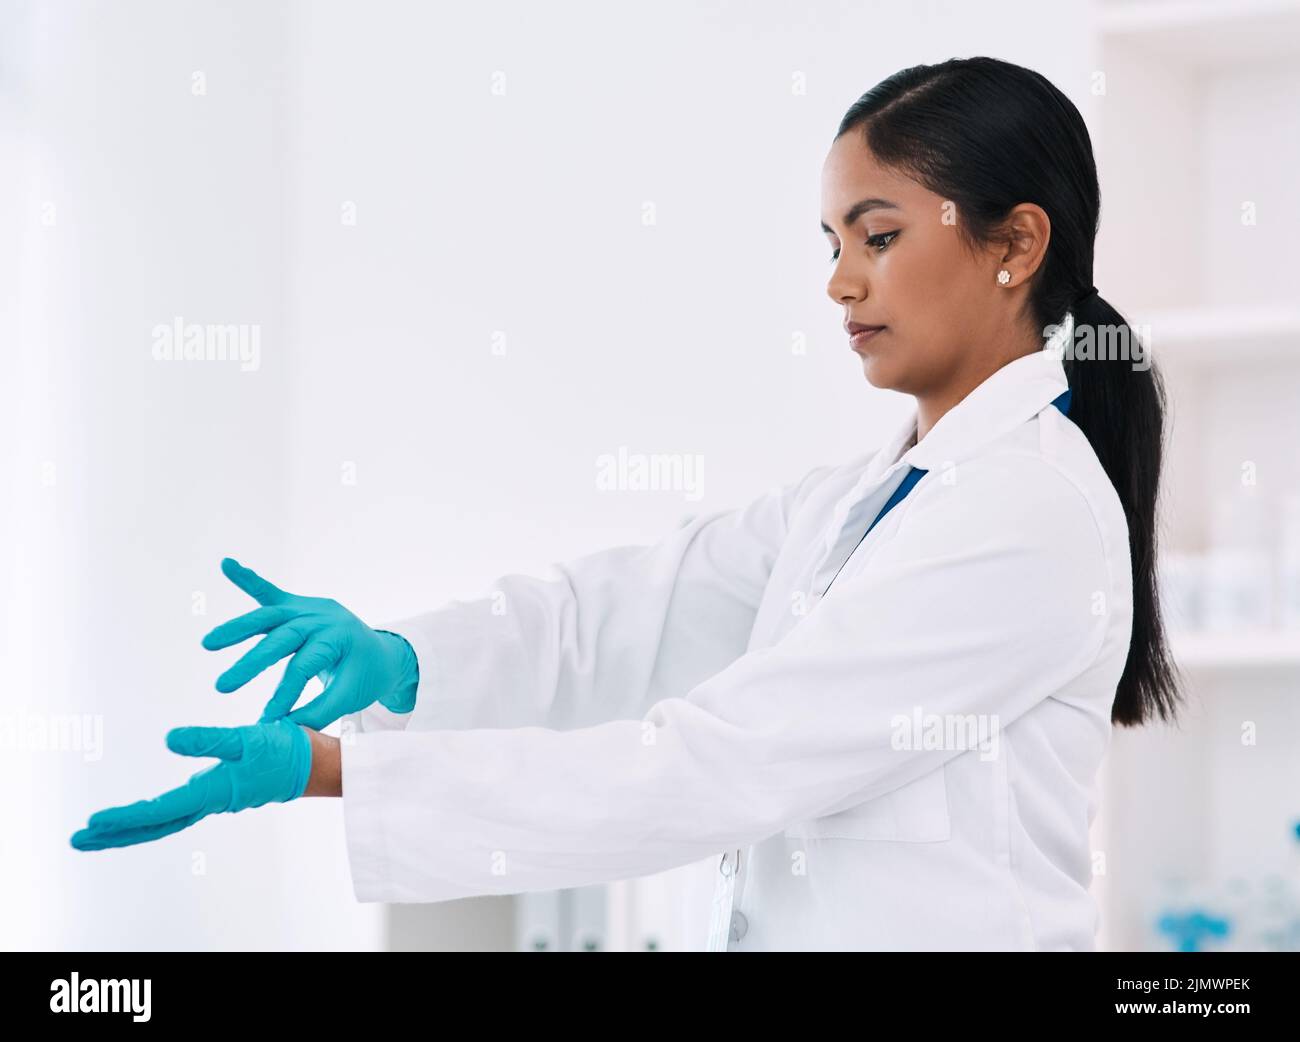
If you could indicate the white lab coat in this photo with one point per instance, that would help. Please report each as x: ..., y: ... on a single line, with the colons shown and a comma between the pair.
x: 707, y: 697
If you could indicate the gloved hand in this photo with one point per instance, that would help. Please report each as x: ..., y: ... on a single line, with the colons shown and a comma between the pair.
x: 260, y: 763
x: 359, y: 665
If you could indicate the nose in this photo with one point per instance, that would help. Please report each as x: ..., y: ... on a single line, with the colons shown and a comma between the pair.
x: 843, y: 288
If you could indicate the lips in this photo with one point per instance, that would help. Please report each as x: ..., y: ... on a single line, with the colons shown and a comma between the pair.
x: 860, y: 333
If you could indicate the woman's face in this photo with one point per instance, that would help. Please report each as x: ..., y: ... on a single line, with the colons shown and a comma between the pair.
x: 900, y: 263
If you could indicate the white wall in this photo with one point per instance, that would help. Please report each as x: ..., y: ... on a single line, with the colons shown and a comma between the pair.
x: 165, y: 203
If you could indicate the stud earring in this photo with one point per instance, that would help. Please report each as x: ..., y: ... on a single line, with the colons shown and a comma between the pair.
x: 1004, y: 277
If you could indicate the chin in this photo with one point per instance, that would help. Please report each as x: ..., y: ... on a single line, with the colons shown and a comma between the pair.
x: 879, y: 373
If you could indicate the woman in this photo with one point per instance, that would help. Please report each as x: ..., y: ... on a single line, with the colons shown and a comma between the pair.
x: 880, y: 696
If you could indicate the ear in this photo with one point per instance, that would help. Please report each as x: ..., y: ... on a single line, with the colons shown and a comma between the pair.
x: 1022, y: 243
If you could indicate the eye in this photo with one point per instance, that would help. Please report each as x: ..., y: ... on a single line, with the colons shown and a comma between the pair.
x: 881, y: 243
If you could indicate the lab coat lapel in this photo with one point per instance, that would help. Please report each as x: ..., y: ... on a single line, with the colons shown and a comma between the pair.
x: 881, y: 471
x: 846, y: 533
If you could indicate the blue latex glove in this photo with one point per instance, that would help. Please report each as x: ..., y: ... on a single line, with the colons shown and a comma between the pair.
x: 359, y: 665
x: 260, y: 763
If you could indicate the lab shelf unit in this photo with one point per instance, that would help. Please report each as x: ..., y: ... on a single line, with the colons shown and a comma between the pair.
x: 1196, y: 124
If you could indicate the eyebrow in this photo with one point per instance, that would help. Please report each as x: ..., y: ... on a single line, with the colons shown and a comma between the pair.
x: 859, y: 208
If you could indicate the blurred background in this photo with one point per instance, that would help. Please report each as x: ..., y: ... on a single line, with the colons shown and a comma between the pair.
x: 458, y: 252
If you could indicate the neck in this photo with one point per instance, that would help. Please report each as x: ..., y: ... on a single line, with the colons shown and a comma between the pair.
x: 929, y: 408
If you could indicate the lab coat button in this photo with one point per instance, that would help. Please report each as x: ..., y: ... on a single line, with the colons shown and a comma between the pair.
x: 739, y: 925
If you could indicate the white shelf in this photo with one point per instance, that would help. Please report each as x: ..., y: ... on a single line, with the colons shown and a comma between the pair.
x: 1198, y: 116
x: 1205, y: 33
x: 1237, y: 650
x: 1222, y: 336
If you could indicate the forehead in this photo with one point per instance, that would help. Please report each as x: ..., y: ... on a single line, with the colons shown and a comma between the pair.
x: 851, y: 172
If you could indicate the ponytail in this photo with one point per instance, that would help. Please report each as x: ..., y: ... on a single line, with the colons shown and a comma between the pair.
x: 1119, y: 404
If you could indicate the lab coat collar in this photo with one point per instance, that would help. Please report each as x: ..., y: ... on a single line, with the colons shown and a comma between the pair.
x: 1018, y: 391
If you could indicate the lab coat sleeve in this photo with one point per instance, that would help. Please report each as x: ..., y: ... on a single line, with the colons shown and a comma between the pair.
x: 985, y: 602
x: 611, y: 633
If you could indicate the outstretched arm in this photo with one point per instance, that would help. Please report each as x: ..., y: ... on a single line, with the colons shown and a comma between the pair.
x: 979, y: 629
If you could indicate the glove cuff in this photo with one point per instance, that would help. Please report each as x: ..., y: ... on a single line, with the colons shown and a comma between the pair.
x: 302, y: 757
x: 402, y: 698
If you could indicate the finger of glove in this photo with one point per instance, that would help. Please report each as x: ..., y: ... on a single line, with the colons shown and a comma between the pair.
x: 269, y: 650
x: 170, y: 806
x: 238, y: 630
x: 310, y: 660
x: 104, y: 838
x: 338, y: 698
x: 261, y: 590
x: 223, y: 742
